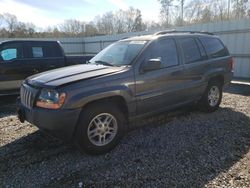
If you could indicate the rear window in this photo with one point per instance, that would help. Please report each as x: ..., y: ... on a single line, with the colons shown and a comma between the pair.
x: 214, y: 47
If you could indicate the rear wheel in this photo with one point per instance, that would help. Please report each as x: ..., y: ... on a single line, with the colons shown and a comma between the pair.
x: 211, y: 99
x: 100, y: 128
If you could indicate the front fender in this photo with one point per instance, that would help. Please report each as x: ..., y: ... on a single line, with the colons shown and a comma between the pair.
x: 81, y: 99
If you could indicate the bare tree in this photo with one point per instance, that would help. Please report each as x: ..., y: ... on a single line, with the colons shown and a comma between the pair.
x: 133, y: 20
x: 151, y: 25
x: 166, y: 11
x: 167, y: 8
x: 206, y: 15
x: 1, y: 19
x: 120, y: 22
x: 90, y: 29
x: 11, y: 23
x: 239, y: 8
x: 201, y: 11
x: 105, y: 24
x: 30, y: 29
x: 72, y: 27
x: 219, y: 9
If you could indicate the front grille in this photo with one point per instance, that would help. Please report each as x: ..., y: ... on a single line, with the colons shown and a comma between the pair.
x: 28, y: 95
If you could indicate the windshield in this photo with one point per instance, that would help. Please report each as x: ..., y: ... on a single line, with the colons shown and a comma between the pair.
x: 119, y: 53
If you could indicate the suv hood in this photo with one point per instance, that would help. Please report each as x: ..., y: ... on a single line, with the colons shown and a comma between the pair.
x: 66, y: 75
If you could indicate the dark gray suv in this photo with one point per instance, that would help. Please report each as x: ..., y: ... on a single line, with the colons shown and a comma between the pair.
x: 93, y: 104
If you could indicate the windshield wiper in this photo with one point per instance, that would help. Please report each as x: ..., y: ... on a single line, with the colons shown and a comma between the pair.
x: 104, y: 63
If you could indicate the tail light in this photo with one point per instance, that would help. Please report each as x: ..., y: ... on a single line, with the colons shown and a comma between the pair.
x: 231, y: 64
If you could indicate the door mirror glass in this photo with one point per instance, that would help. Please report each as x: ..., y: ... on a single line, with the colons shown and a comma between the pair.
x: 152, y: 64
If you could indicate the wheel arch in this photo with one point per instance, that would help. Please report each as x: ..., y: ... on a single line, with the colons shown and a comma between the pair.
x: 117, y: 100
x: 218, y: 78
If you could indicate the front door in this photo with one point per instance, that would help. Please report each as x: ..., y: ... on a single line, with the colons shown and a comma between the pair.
x: 159, y: 89
x: 13, y: 67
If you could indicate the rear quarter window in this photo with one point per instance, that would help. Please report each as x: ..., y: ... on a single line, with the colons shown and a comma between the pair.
x: 214, y: 47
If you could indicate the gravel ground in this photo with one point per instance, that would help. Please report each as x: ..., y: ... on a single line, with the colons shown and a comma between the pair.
x: 185, y: 148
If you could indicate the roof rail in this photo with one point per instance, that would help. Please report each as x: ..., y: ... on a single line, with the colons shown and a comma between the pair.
x: 165, y: 32
x: 175, y: 31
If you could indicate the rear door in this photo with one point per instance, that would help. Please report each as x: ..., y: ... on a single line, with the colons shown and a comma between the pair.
x: 45, y: 56
x: 13, y: 65
x: 195, y: 65
x: 159, y: 89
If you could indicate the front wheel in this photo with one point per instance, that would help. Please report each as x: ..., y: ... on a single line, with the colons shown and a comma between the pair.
x: 211, y: 98
x: 100, y: 128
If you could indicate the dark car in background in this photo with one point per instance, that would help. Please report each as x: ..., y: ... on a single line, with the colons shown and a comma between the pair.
x: 20, y: 59
x: 93, y: 104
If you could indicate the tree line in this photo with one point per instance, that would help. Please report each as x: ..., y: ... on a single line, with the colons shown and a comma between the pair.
x: 172, y: 13
x: 184, y: 12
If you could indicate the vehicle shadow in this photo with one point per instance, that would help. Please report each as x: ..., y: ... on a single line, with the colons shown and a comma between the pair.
x: 239, y: 89
x: 188, y: 149
x: 8, y: 105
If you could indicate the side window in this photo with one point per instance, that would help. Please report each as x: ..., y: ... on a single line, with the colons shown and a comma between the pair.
x: 11, y: 52
x: 37, y: 52
x: 214, y: 47
x: 166, y: 51
x: 43, y: 50
x: 202, y: 50
x: 190, y: 50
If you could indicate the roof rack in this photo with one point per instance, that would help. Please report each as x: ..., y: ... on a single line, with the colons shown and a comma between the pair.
x: 175, y: 31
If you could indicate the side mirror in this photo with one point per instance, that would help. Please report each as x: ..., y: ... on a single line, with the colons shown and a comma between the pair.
x: 152, y: 64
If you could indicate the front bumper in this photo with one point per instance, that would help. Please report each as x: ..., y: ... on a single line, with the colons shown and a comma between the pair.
x: 60, y: 123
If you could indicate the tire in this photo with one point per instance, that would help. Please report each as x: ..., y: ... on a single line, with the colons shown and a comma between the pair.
x: 211, y: 98
x: 100, y: 128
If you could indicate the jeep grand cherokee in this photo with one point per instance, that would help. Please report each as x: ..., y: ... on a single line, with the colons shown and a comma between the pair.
x: 93, y: 104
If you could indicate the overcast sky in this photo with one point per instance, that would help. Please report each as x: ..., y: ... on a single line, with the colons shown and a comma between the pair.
x: 44, y: 13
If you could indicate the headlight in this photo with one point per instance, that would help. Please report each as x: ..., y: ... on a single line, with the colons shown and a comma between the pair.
x: 50, y: 99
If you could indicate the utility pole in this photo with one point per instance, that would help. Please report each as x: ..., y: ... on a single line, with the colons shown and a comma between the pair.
x: 228, y: 9
x: 165, y: 10
x: 182, y: 12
